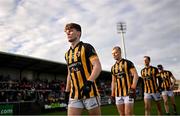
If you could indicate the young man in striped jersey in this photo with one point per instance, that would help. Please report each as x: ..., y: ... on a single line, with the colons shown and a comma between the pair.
x: 152, y: 81
x: 124, y: 82
x: 83, y: 68
x: 167, y: 88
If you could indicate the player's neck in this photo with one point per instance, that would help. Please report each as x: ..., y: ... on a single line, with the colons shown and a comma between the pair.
x: 73, y: 44
x: 119, y: 60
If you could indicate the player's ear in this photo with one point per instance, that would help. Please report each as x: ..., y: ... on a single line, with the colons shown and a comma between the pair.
x: 79, y: 34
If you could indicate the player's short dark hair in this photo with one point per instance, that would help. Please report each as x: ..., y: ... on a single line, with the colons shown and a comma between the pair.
x: 117, y: 48
x: 73, y: 26
x: 147, y: 58
x: 159, y: 66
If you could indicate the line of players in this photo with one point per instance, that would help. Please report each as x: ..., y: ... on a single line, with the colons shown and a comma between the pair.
x: 157, y: 82
x: 84, y: 67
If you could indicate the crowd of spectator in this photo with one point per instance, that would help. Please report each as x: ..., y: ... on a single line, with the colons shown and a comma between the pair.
x: 42, y: 91
x: 104, y: 88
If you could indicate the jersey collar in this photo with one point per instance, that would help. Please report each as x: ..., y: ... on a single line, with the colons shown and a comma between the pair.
x: 76, y: 45
x: 118, y: 61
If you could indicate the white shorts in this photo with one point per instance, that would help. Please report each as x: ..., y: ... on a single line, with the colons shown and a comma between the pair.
x: 89, y: 103
x: 124, y: 100
x: 168, y: 93
x: 155, y: 96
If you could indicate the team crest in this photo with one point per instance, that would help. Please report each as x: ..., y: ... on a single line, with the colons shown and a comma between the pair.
x: 78, y: 54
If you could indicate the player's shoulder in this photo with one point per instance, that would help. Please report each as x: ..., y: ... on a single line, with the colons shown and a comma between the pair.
x: 150, y: 67
x: 67, y: 51
x: 86, y: 45
x: 167, y: 71
x: 113, y: 64
x: 143, y: 68
x: 153, y: 67
x: 127, y: 60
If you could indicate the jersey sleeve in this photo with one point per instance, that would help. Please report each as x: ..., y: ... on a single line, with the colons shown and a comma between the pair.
x: 130, y: 65
x: 157, y: 74
x: 112, y: 70
x: 90, y: 52
x: 66, y: 56
x: 142, y: 73
x: 170, y: 74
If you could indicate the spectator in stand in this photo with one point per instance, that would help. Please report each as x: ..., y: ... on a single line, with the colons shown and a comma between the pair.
x: 19, y: 96
x: 3, y: 97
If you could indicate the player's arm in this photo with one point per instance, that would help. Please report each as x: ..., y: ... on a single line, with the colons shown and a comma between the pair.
x: 68, y: 86
x: 113, y: 89
x: 132, y: 91
x: 113, y: 86
x: 94, y: 74
x: 173, y: 81
x: 94, y: 60
x: 135, y: 78
x: 96, y: 68
x: 68, y: 82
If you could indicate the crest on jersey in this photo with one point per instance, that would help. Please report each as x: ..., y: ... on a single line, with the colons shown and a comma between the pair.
x: 120, y: 75
x: 148, y: 77
x: 78, y: 54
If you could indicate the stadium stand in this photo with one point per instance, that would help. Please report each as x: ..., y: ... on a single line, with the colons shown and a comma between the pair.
x: 37, y: 84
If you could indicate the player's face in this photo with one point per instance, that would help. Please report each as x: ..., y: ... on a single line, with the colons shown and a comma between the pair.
x: 146, y: 62
x: 160, y: 68
x: 72, y: 34
x: 116, y: 54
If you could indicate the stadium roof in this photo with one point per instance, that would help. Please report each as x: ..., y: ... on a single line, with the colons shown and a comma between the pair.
x: 29, y: 63
x: 21, y: 62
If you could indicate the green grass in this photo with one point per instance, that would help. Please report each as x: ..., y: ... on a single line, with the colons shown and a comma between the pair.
x: 138, y: 109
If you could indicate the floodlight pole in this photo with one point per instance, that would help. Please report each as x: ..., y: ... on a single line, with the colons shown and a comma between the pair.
x: 121, y: 28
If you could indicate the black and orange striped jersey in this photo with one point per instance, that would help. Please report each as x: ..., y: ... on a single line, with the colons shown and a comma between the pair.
x: 123, y: 78
x: 166, y: 79
x: 150, y: 76
x: 80, y: 67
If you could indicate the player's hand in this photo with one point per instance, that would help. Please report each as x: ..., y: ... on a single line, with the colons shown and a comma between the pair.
x: 160, y: 90
x: 132, y: 93
x: 171, y: 87
x: 113, y: 100
x: 86, y: 88
x: 66, y: 99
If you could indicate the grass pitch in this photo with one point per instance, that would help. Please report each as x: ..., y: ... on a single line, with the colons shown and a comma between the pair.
x: 138, y: 108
